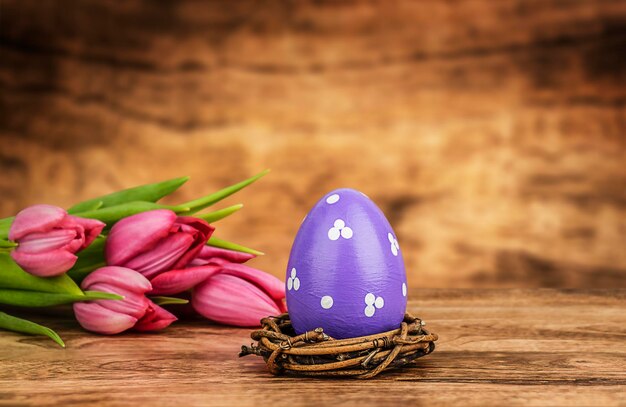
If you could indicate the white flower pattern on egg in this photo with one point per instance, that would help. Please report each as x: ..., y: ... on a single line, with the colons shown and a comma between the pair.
x: 372, y: 302
x: 293, y: 281
x: 340, y: 229
x: 394, y: 244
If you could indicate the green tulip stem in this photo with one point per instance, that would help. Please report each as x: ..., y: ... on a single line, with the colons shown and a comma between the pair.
x: 7, y: 244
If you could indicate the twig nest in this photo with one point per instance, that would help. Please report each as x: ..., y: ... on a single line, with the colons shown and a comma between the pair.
x: 314, y: 353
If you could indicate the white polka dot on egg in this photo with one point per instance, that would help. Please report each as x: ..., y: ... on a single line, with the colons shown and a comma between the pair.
x: 326, y: 302
x: 379, y: 303
x: 334, y: 233
x: 334, y: 198
x: 404, y: 289
x: 347, y: 233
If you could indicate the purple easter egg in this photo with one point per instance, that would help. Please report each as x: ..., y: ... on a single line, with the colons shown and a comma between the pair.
x: 345, y: 272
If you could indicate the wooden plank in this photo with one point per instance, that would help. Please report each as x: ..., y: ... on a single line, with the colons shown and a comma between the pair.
x: 513, y: 347
x: 490, y: 132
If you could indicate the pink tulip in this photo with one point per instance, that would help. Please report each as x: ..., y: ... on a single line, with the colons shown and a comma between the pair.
x: 155, y: 241
x: 231, y: 300
x: 48, y: 239
x: 114, y: 316
x: 225, y: 291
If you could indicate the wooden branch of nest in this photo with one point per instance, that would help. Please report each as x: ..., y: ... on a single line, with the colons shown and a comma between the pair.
x: 314, y: 353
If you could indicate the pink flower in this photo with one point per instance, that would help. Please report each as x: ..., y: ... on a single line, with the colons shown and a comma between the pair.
x: 223, y: 290
x: 155, y: 241
x: 115, y: 316
x: 48, y: 239
x: 233, y: 300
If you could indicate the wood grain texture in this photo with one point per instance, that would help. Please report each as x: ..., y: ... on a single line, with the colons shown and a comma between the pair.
x: 490, y: 132
x: 496, y: 347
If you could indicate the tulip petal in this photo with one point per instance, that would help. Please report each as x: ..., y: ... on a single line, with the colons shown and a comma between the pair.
x: 46, y: 264
x: 208, y: 253
x: 162, y: 256
x: 230, y: 300
x: 39, y: 242
x: 201, y: 232
x: 136, y: 234
x: 155, y: 318
x: 176, y: 281
x: 36, y: 218
x: 133, y: 304
x: 92, y: 227
x: 117, y: 276
x: 273, y: 286
x: 94, y: 317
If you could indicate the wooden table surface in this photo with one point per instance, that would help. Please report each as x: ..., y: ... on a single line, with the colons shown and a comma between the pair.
x: 496, y: 347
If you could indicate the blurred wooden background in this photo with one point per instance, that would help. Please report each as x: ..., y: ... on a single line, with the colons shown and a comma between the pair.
x: 492, y: 133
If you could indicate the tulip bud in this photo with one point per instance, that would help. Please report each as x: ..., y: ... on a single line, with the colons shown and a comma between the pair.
x: 115, y: 316
x: 48, y: 239
x: 237, y: 295
x: 231, y: 300
x: 155, y: 241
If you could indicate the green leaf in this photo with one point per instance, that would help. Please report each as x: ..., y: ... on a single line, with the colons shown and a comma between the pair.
x: 146, y: 193
x: 13, y: 277
x: 78, y: 274
x: 215, y: 242
x: 89, y: 259
x: 90, y: 205
x: 197, y: 205
x: 168, y: 300
x: 112, y: 214
x: 23, y: 298
x: 211, y: 217
x: 11, y: 323
x: 5, y: 225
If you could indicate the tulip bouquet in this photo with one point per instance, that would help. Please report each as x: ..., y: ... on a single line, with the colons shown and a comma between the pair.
x: 125, y: 261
